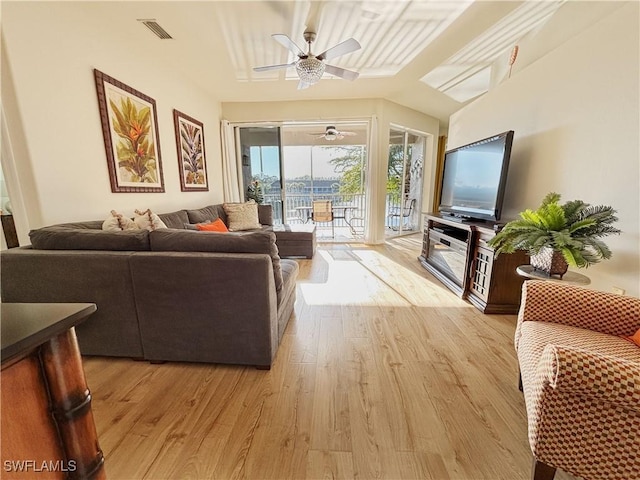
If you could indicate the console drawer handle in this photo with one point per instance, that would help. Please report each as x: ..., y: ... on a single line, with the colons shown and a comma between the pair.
x: 445, y: 242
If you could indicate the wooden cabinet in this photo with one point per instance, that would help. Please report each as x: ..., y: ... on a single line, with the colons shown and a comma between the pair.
x: 494, y: 286
x: 458, y: 255
x: 47, y: 425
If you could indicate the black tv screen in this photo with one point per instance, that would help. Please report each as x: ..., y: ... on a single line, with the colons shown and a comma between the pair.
x: 474, y: 178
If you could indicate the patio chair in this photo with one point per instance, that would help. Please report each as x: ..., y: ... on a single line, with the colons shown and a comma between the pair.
x: 356, y: 225
x: 401, y: 213
x: 322, y: 212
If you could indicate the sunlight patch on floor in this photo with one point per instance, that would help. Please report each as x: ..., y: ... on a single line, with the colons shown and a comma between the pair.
x: 367, y: 277
x: 347, y: 284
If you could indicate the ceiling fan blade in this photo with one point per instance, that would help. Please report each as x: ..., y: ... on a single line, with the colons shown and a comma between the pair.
x: 348, y: 134
x: 342, y: 48
x: 286, y: 42
x: 341, y: 72
x: 302, y: 85
x: 273, y: 67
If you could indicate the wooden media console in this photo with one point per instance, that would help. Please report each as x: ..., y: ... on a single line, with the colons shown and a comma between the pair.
x: 457, y: 254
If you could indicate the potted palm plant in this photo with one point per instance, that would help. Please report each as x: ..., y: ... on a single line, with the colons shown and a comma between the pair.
x: 255, y: 192
x: 557, y: 236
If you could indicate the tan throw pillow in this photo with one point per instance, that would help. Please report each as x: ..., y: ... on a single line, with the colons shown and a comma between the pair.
x: 242, y: 216
x: 148, y: 220
x: 117, y: 222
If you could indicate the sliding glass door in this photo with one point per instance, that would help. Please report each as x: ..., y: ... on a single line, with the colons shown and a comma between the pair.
x: 404, y: 181
x: 321, y: 166
x: 261, y: 167
x: 292, y: 165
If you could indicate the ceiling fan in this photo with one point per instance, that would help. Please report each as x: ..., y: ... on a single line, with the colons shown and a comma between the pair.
x: 310, y: 67
x: 332, y: 134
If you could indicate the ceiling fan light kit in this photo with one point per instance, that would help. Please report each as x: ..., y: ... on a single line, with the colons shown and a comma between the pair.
x: 310, y: 70
x: 310, y: 67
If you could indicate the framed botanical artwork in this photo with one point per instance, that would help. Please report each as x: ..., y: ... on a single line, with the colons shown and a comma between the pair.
x: 191, y: 157
x: 130, y: 132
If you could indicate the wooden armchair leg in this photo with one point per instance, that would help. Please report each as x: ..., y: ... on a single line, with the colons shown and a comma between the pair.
x: 542, y: 471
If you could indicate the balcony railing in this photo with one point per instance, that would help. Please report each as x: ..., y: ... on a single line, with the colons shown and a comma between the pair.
x: 298, y: 206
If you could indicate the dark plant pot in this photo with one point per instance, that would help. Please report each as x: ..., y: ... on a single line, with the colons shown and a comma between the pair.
x: 549, y: 261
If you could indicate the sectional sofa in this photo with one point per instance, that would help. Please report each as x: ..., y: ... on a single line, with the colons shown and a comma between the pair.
x: 172, y: 294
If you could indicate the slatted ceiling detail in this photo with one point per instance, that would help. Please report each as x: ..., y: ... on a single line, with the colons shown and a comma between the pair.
x: 475, y: 57
x: 472, y: 86
x: 469, y: 73
x: 248, y: 39
x: 475, y: 81
x: 416, y: 24
x: 506, y: 32
x: 391, y: 33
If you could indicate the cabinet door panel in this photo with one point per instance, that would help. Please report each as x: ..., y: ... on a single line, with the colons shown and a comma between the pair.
x: 481, y: 272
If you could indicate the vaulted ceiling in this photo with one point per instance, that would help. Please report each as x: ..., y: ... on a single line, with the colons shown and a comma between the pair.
x: 430, y: 55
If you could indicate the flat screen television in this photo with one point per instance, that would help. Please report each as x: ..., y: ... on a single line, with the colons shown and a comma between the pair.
x: 474, y: 178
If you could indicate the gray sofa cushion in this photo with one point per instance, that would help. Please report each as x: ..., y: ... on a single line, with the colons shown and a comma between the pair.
x: 175, y: 219
x: 91, y: 225
x: 256, y: 241
x: 206, y: 214
x: 210, y: 213
x: 265, y: 214
x: 77, y: 237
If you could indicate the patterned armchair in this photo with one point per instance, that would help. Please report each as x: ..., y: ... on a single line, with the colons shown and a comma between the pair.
x: 581, y: 380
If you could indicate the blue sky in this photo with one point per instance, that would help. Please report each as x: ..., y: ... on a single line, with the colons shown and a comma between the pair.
x: 297, y: 161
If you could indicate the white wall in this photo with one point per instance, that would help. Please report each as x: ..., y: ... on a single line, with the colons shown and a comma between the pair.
x: 386, y: 112
x: 576, y: 122
x: 49, y: 98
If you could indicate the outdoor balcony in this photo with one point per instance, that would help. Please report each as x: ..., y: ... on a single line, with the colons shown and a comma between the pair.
x: 349, y: 215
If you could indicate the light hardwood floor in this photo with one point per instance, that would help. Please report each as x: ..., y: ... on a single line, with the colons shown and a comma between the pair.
x: 382, y: 373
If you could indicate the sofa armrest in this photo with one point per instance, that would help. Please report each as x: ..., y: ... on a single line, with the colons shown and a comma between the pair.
x: 577, y: 371
x: 579, y: 307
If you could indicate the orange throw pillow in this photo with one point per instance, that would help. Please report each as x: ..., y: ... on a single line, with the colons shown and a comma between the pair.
x: 216, y: 226
x: 635, y: 338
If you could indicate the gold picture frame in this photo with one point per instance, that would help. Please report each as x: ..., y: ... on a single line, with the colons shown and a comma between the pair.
x: 191, y: 153
x: 130, y: 132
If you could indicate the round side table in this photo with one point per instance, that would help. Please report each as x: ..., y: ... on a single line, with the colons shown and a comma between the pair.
x: 573, y: 278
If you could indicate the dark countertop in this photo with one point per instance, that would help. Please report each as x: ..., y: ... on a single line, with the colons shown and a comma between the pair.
x: 25, y: 326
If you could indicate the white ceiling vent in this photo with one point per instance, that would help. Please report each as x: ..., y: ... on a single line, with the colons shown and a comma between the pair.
x: 155, y: 28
